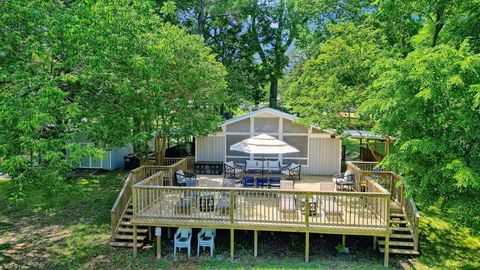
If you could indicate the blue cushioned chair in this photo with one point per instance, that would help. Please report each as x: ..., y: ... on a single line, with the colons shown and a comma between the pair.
x: 262, y: 182
x: 248, y: 181
x: 274, y: 182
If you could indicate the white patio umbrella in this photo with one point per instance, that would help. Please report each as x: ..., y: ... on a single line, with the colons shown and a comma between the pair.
x: 263, y: 144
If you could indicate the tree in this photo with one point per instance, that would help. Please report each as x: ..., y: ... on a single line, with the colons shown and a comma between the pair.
x: 144, y: 79
x: 430, y: 100
x: 334, y: 83
x: 38, y: 118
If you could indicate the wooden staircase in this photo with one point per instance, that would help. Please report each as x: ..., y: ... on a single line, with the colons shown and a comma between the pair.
x: 123, y: 236
x: 401, y: 239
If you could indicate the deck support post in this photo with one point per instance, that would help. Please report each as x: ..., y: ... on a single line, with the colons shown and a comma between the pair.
x: 307, y: 247
x: 387, y: 251
x: 159, y: 247
x: 232, y: 243
x: 374, y: 243
x: 343, y: 239
x: 255, y: 243
x: 134, y: 240
x: 169, y: 233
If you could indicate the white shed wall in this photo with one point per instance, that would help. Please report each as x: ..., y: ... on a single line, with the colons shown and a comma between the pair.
x: 324, y: 156
x: 210, y: 148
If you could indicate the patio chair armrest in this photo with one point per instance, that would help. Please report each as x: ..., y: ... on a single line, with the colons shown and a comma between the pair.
x: 285, y: 167
x: 238, y: 166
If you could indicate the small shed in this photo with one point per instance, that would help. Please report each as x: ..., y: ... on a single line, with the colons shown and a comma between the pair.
x: 112, y: 160
x: 320, y: 151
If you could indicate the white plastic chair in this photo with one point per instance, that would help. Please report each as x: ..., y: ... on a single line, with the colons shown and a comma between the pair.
x: 206, y: 238
x: 182, y: 239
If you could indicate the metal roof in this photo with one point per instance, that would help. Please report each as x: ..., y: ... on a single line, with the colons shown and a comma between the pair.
x: 260, y: 111
x: 363, y: 134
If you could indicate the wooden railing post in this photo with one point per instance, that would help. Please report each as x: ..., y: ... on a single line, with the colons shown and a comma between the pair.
x: 134, y: 202
x: 232, y: 205
x: 307, y: 209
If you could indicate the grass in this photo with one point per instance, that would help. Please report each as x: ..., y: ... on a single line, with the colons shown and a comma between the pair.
x: 71, y: 230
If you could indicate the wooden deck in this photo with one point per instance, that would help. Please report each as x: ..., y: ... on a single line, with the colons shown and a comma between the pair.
x: 310, y: 205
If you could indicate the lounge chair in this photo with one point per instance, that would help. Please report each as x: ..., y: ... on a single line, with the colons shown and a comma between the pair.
x: 182, y: 239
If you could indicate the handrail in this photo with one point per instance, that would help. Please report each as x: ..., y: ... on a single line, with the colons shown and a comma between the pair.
x: 135, y: 176
x: 391, y: 182
x: 276, y: 206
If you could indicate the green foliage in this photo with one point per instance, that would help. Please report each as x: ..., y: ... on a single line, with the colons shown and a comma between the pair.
x: 39, y: 121
x: 335, y: 82
x: 114, y: 72
x: 428, y: 100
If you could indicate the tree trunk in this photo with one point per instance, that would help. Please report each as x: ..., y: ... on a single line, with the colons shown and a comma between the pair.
x: 160, y: 148
x: 201, y: 17
x: 438, y: 27
x: 273, y: 91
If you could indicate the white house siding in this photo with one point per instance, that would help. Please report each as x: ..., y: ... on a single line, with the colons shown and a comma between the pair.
x: 211, y: 148
x: 324, y: 156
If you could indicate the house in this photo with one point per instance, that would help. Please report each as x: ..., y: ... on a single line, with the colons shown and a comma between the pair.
x: 320, y: 151
x: 113, y: 159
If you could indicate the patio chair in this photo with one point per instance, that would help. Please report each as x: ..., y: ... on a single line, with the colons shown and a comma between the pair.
x: 182, y: 239
x: 274, y: 182
x: 231, y: 170
x: 206, y: 238
x: 344, y: 180
x: 262, y: 182
x: 248, y: 181
x: 272, y: 167
x: 292, y: 171
x: 182, y: 178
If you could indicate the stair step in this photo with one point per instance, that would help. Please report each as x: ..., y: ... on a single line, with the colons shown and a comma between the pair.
x: 400, y: 251
x: 396, y: 243
x: 397, y: 215
x: 124, y: 244
x: 398, y: 221
x: 402, y: 236
x: 128, y: 237
x: 400, y: 229
x: 130, y: 230
x: 129, y: 217
x: 125, y: 223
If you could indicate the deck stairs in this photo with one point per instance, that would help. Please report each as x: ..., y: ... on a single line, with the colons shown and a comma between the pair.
x: 401, y: 239
x: 123, y: 236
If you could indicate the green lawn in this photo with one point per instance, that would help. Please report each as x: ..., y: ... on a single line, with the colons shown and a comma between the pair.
x: 71, y: 230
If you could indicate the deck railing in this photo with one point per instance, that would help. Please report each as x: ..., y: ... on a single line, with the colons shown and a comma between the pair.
x: 413, y: 217
x: 140, y: 174
x: 261, y: 208
x: 392, y: 182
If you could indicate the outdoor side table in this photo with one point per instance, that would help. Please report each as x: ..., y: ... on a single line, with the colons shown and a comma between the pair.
x: 207, y: 203
x: 312, y: 204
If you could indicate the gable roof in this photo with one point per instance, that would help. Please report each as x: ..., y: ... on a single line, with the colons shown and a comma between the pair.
x: 275, y: 112
x: 272, y: 111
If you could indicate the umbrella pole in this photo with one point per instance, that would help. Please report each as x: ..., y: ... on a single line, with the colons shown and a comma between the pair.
x: 263, y: 163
